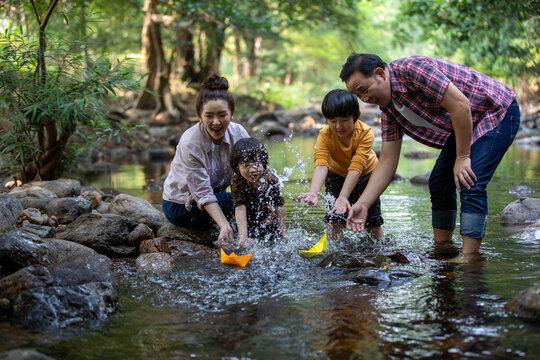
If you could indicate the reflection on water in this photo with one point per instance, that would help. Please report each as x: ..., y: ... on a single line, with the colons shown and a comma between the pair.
x: 283, y: 306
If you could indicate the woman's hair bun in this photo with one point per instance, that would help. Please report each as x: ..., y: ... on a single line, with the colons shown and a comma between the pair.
x: 215, y: 82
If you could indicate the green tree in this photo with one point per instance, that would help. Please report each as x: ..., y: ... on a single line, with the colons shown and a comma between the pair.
x: 51, y: 94
x: 499, y: 37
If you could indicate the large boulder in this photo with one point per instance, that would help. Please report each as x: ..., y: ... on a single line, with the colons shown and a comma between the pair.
x: 83, y: 269
x: 27, y: 278
x: 64, y: 306
x: 137, y: 209
x: 10, y: 209
x: 522, y: 211
x: 32, y: 192
x: 105, y: 233
x: 204, y: 237
x: 526, y: 304
x: 19, y: 249
x: 60, y: 187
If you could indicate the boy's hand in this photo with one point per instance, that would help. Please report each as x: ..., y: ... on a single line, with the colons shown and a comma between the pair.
x: 309, y: 198
x: 341, y: 206
x: 356, y: 221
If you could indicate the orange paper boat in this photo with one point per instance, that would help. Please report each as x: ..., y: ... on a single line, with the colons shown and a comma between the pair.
x: 234, y: 259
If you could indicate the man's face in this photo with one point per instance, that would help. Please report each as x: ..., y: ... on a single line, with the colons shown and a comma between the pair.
x: 375, y: 89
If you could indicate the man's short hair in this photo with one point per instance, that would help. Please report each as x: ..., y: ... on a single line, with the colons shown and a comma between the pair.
x: 340, y: 103
x: 364, y: 63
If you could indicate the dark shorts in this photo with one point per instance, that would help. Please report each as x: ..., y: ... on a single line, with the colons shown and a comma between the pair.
x: 333, y: 185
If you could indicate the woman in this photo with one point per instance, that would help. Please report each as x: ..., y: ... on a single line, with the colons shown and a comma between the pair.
x: 194, y: 191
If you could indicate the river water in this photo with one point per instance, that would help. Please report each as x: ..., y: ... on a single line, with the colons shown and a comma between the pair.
x: 284, y: 306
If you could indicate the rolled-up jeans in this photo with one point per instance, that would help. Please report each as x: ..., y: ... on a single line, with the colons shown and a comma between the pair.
x: 486, y: 154
x: 178, y: 215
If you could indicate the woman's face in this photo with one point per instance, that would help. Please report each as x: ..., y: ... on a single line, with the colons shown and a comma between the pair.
x: 216, y: 116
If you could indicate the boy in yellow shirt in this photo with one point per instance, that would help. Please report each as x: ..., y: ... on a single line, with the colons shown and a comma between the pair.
x: 344, y: 162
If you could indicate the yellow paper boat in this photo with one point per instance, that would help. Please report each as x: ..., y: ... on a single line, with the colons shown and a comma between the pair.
x: 317, y: 249
x: 234, y: 259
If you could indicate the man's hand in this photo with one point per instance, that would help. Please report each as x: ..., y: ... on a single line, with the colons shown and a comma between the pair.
x: 463, y: 174
x: 356, y: 221
x: 309, y: 198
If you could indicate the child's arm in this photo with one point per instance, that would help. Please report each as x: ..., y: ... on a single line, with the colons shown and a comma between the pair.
x: 312, y: 197
x: 240, y: 213
x: 281, y: 218
x: 342, y: 202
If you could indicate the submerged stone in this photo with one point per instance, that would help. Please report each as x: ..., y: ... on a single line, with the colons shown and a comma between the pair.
x: 154, y: 262
x: 526, y: 304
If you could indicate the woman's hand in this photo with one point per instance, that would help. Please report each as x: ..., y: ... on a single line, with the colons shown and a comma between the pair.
x: 341, y: 206
x: 463, y: 174
x: 309, y: 198
x: 226, y: 236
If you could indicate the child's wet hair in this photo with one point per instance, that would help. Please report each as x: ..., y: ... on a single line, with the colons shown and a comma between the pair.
x: 248, y: 150
x: 340, y: 103
x: 214, y: 87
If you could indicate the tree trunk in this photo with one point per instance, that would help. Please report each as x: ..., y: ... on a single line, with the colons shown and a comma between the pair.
x: 156, y: 66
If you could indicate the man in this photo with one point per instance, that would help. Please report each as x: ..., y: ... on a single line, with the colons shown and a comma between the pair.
x: 472, y: 118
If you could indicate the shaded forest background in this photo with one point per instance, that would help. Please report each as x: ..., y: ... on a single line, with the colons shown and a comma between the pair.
x: 62, y: 62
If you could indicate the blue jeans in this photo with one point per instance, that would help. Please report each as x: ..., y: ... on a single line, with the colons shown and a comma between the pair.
x: 178, y: 215
x: 486, y: 154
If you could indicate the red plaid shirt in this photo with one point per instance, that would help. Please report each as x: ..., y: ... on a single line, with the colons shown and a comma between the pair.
x: 419, y: 83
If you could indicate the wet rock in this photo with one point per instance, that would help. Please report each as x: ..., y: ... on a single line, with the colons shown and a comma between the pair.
x: 32, y: 192
x: 93, y: 196
x: 10, y: 209
x: 61, y: 187
x: 66, y: 210
x: 64, y: 306
x: 83, y: 269
x: 522, y: 211
x: 140, y: 233
x: 34, y: 216
x: 521, y: 190
x: 137, y: 209
x: 19, y: 249
x: 22, y: 354
x: 107, y: 234
x: 103, y: 208
x: 419, y: 155
x: 343, y: 260
x: 155, y: 245
x: 381, y: 278
x: 42, y: 231
x: 398, y: 258
x: 154, y: 262
x: 199, y: 236
x: 27, y: 278
x: 180, y: 248
x: 421, y: 179
x: 526, y: 304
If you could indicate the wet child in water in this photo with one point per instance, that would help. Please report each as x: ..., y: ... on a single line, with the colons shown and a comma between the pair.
x: 344, y: 161
x: 259, y: 205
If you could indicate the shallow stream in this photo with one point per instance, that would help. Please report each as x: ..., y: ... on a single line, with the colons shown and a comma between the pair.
x: 283, y: 306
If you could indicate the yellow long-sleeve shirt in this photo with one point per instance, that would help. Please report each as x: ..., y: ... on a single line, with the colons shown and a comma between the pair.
x: 359, y: 156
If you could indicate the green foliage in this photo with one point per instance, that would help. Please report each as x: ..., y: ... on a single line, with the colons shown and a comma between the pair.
x: 72, y: 96
x: 495, y: 36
